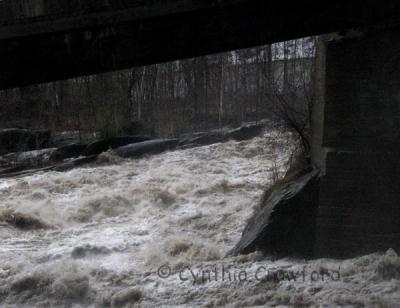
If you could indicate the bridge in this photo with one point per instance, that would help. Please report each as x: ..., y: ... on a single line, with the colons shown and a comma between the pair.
x: 45, y: 40
x: 356, y: 124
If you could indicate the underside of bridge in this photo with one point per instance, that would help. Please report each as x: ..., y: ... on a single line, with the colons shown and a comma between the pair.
x: 356, y: 116
x: 60, y: 39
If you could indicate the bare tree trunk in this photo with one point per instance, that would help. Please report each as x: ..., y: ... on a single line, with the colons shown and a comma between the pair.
x: 90, y: 100
x: 268, y: 66
x: 285, y: 67
x: 221, y: 91
x: 139, y: 101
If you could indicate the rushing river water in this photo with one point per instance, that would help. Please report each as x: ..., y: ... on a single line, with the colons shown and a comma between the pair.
x: 153, y: 232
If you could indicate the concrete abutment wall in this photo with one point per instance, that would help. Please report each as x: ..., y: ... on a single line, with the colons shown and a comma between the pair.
x: 356, y: 140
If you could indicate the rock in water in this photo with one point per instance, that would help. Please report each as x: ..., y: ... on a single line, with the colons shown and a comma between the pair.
x: 246, y: 132
x: 67, y: 151
x: 23, y: 221
x: 100, y: 146
x: 65, y: 138
x: 30, y: 159
x: 60, y: 167
x: 127, y: 296
x: 203, y: 138
x: 207, y: 138
x: 285, y: 226
x: 76, y: 162
x: 147, y: 147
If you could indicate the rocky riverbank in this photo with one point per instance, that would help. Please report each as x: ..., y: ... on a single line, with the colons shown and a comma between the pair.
x: 73, y: 155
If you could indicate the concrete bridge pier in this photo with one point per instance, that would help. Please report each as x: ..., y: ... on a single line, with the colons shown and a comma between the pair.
x: 356, y: 142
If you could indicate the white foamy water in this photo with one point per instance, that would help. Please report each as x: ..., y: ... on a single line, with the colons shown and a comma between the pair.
x: 114, y: 224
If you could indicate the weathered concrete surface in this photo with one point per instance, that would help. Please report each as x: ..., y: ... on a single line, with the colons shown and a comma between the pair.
x: 363, y: 93
x: 285, y: 225
x: 359, y: 210
x: 48, y: 45
x: 318, y: 152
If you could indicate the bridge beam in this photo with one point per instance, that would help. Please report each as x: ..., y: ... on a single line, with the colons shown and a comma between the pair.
x: 357, y: 143
x: 48, y: 48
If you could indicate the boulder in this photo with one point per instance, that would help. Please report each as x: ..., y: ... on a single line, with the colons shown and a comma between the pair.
x: 12, y: 170
x: 23, y: 221
x: 31, y: 159
x: 285, y: 224
x: 73, y: 163
x: 100, y: 146
x: 147, y: 147
x: 65, y: 138
x: 61, y: 167
x: 204, y: 138
x: 68, y: 151
x: 126, y: 297
x: 223, y: 135
x: 246, y: 132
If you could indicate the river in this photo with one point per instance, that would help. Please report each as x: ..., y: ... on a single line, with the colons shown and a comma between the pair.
x: 154, y: 232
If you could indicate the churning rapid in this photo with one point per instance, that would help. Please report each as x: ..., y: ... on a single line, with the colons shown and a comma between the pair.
x: 155, y: 231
